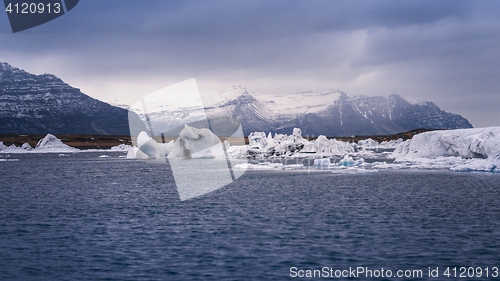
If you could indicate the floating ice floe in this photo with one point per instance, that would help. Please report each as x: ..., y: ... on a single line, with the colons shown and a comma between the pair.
x: 348, y: 161
x: 262, y: 147
x: 259, y: 166
x: 121, y: 147
x: 324, y: 162
x: 148, y: 148
x: 192, y: 143
x: 196, y: 143
x: 269, y: 166
x: 348, y: 165
x: 458, y: 150
x: 8, y: 160
x: 354, y: 170
x: 14, y: 149
x: 370, y: 144
x: 49, y: 144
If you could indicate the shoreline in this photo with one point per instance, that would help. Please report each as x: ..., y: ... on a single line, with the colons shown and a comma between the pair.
x: 82, y: 141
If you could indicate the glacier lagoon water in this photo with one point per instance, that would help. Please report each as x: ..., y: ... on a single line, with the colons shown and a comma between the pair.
x: 83, y: 217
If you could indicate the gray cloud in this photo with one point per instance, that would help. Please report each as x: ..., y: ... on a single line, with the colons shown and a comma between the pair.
x: 443, y: 51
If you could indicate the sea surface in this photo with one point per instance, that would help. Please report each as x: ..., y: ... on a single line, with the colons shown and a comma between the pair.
x: 82, y: 217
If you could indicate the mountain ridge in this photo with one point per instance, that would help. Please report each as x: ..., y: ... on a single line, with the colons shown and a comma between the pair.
x: 40, y: 104
x: 334, y: 113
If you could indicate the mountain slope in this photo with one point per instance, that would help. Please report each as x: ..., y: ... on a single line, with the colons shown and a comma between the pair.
x: 331, y: 113
x: 40, y: 104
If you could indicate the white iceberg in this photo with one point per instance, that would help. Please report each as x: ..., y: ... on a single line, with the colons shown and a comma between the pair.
x: 9, y: 160
x: 26, y: 146
x: 368, y: 144
x: 148, y: 148
x: 465, y: 149
x: 196, y: 143
x: 12, y: 149
x: 354, y: 170
x: 269, y: 166
x: 236, y: 151
x: 121, y: 147
x: 49, y: 144
x: 324, y: 162
x: 259, y: 166
x: 282, y: 145
x: 135, y: 153
x: 346, y: 161
x: 258, y: 139
x: 390, y: 144
x: 479, y: 143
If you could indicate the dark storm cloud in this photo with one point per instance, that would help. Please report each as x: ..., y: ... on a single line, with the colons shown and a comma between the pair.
x: 443, y: 51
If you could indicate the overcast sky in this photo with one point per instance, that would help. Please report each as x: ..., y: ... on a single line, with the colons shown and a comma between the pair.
x: 447, y: 52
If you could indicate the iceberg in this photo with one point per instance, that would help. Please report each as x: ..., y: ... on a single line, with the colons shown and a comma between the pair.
x: 465, y: 149
x: 324, y: 162
x: 236, y: 151
x: 26, y: 146
x: 354, y: 170
x: 479, y: 143
x: 49, y: 144
x: 9, y: 160
x: 196, y: 143
x: 258, y: 139
x: 259, y: 166
x: 150, y: 147
x: 283, y: 145
x: 147, y: 148
x: 269, y: 166
x: 391, y: 143
x: 135, y: 153
x: 368, y: 144
x: 332, y: 147
x: 11, y: 149
x: 348, y: 161
x: 374, y: 145
x: 121, y: 147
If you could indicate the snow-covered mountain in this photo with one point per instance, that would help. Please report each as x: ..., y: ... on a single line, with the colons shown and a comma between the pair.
x: 39, y: 104
x: 44, y: 103
x: 330, y: 113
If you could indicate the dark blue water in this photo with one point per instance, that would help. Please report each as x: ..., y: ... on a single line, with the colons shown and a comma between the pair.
x: 87, y: 218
